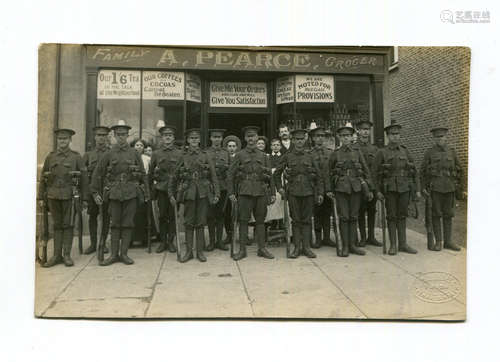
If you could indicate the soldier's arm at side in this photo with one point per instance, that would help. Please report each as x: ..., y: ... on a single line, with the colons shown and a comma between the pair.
x: 231, y: 174
x: 377, y: 164
x: 152, y: 166
x: 84, y: 178
x: 278, y: 172
x: 173, y: 181
x: 272, y: 185
x: 320, y: 178
x: 424, y: 170
x: 416, y: 177
x: 213, y: 176
x: 144, y: 176
x: 42, y: 187
x: 460, y: 176
x: 366, y: 170
x: 98, y: 175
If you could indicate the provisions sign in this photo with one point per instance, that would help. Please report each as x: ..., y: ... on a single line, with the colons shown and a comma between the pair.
x: 314, y: 88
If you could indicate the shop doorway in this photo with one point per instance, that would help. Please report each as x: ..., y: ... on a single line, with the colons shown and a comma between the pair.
x: 234, y: 122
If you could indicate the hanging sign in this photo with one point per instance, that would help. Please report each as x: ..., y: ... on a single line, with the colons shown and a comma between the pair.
x: 193, y: 88
x: 163, y: 85
x: 119, y: 84
x: 314, y: 88
x: 238, y: 94
x: 284, y: 90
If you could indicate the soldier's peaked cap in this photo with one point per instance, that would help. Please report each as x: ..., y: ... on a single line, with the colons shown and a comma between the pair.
x: 394, y: 125
x: 250, y: 129
x: 298, y: 131
x: 316, y: 130
x: 67, y: 131
x: 192, y: 130
x: 101, y: 128
x: 363, y: 121
x: 344, y: 128
x: 121, y: 124
x: 167, y: 127
x: 217, y: 130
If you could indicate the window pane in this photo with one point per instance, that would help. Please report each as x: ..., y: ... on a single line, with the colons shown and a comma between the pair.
x: 352, y: 101
x: 171, y: 112
x: 110, y: 111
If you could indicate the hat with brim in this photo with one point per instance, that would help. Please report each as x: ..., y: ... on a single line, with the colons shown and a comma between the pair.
x: 66, y: 131
x: 232, y: 138
x: 221, y: 131
x: 363, y: 121
x: 247, y: 129
x: 191, y: 131
x: 166, y: 128
x: 393, y: 125
x: 318, y: 130
x: 298, y: 131
x: 101, y: 128
x: 439, y: 130
x: 345, y: 128
x: 120, y: 125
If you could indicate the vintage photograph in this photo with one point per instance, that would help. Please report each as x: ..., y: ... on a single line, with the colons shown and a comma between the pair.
x: 252, y: 182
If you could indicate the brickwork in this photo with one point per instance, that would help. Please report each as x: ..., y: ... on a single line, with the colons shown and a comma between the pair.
x: 430, y: 87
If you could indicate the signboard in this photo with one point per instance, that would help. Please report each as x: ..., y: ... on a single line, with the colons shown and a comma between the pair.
x: 163, y: 85
x: 233, y: 59
x: 193, y: 88
x: 119, y: 84
x: 314, y: 88
x: 285, y: 90
x: 238, y: 94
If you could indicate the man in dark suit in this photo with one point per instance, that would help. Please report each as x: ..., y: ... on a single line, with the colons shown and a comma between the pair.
x: 284, y: 134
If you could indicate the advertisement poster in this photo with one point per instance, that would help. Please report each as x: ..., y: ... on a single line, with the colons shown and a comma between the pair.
x: 238, y: 94
x: 314, y: 88
x: 193, y: 88
x: 119, y: 84
x: 163, y: 85
x: 284, y: 90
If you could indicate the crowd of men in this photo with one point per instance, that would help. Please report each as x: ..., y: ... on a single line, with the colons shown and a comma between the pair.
x: 226, y: 187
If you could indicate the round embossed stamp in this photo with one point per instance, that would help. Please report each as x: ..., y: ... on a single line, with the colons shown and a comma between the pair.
x: 436, y: 287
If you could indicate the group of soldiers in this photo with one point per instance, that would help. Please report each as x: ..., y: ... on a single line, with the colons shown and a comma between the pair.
x: 316, y: 183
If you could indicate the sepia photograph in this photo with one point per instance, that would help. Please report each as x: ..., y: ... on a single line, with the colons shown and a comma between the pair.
x: 252, y: 182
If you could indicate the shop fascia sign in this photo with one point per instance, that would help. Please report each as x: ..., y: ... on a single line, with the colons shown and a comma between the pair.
x: 126, y: 84
x: 305, y: 88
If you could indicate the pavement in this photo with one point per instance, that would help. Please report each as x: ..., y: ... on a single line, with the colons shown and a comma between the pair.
x: 427, y: 286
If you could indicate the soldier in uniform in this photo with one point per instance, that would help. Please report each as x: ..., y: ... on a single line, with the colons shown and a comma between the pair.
x: 442, y: 180
x: 163, y: 163
x: 304, y: 188
x: 56, y: 187
x: 397, y: 178
x: 349, y: 177
x: 121, y: 171
x: 250, y: 182
x: 194, y: 184
x: 322, y: 212
x: 91, y: 160
x: 215, y: 218
x: 367, y: 208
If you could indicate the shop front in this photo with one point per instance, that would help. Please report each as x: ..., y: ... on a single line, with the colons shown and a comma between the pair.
x: 233, y: 87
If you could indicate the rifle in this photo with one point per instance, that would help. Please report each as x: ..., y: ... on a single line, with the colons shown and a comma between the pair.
x: 101, y: 235
x: 428, y: 223
x: 149, y: 205
x: 336, y: 223
x: 76, y: 207
x: 43, y: 235
x: 286, y: 222
x: 177, y: 239
x: 234, y: 217
x: 382, y: 217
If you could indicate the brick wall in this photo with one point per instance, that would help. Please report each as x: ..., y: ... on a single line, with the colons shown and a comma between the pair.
x: 430, y: 87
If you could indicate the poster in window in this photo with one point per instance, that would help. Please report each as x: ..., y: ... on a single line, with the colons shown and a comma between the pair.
x: 119, y: 84
x: 163, y: 85
x: 314, y: 88
x: 284, y: 90
x: 238, y: 94
x: 193, y: 88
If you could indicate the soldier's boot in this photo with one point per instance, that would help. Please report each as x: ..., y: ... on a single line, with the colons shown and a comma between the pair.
x: 170, y: 242
x: 296, y: 235
x: 229, y: 237
x: 448, y: 243
x: 403, y: 245
x: 115, y: 241
x: 163, y: 239
x: 362, y: 231
x: 317, y: 243
x: 438, y: 235
x: 326, y: 234
x: 211, y: 236
x: 219, y: 228
x: 391, y: 228
x: 189, y: 245
x: 371, y: 230
x: 200, y: 242
x: 353, y: 226
x: 93, y: 236
x: 126, y: 240
x: 242, y: 253
x: 306, y: 241
x: 67, y: 244
x: 344, y: 234
x: 57, y: 257
x: 261, y: 242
